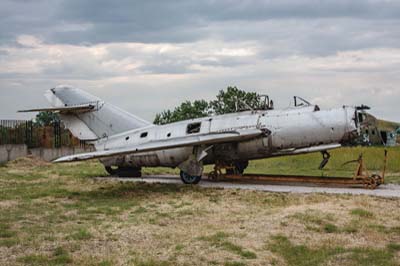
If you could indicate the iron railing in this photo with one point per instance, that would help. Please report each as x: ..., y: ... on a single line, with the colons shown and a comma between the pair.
x: 35, y: 135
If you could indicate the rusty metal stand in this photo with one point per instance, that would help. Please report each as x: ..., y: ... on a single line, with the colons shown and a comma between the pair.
x: 217, y: 174
x: 361, y: 177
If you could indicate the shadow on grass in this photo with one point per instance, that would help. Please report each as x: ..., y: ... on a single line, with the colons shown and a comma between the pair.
x: 133, y: 190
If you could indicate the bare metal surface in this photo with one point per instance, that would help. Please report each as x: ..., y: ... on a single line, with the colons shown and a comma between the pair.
x: 388, y: 191
x: 105, y: 119
x: 178, y: 142
x: 125, y: 140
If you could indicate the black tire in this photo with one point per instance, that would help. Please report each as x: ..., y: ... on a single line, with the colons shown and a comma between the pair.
x: 111, y: 170
x: 188, y: 179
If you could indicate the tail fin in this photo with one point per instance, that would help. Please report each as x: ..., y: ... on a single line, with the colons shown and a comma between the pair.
x: 101, y: 121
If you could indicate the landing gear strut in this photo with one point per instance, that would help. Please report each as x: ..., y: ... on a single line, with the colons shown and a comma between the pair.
x: 325, y: 159
x: 124, y: 171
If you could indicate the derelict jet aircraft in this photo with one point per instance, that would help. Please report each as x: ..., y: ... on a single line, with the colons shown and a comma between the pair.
x: 125, y: 143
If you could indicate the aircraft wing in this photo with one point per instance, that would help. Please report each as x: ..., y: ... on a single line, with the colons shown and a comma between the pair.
x: 187, y: 141
x: 64, y: 109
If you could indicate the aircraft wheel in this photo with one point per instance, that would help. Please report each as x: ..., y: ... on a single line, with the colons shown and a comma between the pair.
x: 189, y: 179
x: 111, y: 170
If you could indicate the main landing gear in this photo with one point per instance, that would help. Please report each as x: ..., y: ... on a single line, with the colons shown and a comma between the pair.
x: 189, y: 179
x: 234, y: 168
x: 124, y: 171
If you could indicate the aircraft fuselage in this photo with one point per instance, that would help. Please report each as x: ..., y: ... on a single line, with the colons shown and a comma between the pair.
x: 289, y: 131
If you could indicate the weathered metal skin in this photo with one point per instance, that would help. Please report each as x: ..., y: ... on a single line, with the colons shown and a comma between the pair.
x: 124, y: 140
x: 293, y: 128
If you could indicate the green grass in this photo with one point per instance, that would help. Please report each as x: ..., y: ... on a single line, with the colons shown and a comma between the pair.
x: 81, y: 234
x: 5, y: 231
x: 8, y: 237
x: 59, y: 257
x: 330, y: 228
x: 234, y: 263
x: 362, y: 213
x: 219, y: 240
x: 307, y: 164
x: 316, y: 221
x: 385, y: 229
x: 301, y: 255
x: 9, y: 242
x: 394, y: 247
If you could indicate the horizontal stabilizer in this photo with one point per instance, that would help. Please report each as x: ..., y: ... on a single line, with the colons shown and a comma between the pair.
x: 187, y: 141
x: 74, y: 109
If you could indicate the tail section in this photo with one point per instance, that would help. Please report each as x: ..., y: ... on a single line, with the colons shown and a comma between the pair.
x: 102, y: 120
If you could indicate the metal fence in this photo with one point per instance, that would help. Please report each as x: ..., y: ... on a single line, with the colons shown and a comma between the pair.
x: 35, y: 135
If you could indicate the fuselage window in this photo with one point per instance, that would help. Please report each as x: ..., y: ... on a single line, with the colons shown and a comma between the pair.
x: 169, y: 134
x: 193, y: 128
x: 143, y: 135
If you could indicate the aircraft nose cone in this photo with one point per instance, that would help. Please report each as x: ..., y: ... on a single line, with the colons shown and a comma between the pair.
x: 352, y: 130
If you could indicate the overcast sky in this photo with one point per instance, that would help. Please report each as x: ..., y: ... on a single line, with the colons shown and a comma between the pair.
x: 146, y: 56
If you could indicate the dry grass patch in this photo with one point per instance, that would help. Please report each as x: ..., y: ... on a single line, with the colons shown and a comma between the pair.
x: 65, y: 217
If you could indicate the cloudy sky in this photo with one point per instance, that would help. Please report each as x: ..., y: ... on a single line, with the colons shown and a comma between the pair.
x: 146, y: 56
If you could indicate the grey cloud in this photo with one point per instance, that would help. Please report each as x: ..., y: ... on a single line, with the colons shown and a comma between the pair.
x: 279, y: 29
x: 166, y: 21
x: 3, y: 53
x: 185, y: 21
x: 166, y: 68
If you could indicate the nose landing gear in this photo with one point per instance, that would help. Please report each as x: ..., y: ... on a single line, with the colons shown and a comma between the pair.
x: 325, y: 159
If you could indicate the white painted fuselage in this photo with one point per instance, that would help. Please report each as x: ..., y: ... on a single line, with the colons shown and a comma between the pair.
x: 288, y: 131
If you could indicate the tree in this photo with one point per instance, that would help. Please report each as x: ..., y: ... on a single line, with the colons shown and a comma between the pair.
x: 229, y: 101
x: 233, y: 100
x: 46, y: 118
x: 187, y: 110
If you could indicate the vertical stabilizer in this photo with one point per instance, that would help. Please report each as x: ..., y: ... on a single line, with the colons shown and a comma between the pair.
x: 103, y: 120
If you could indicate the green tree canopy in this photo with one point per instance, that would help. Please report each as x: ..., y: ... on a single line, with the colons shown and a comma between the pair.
x: 46, y: 118
x: 187, y: 110
x: 233, y: 100
x: 227, y: 101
